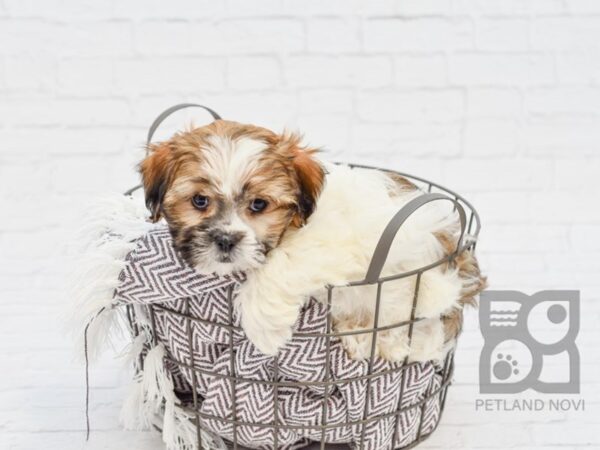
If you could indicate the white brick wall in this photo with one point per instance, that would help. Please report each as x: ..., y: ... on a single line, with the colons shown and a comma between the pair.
x: 497, y: 99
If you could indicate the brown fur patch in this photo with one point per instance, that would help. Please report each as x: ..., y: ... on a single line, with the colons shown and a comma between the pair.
x: 157, y: 172
x: 309, y: 173
x: 473, y: 283
x: 400, y: 184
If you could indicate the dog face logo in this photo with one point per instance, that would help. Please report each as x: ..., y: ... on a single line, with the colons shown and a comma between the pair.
x: 525, y: 334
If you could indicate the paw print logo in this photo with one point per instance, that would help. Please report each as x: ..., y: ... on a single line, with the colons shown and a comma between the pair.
x: 522, y: 333
x: 505, y: 367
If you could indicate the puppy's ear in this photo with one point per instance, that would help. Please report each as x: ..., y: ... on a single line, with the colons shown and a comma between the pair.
x: 309, y: 172
x: 157, y: 170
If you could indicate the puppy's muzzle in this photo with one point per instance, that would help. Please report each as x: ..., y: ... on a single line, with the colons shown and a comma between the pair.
x: 224, y: 241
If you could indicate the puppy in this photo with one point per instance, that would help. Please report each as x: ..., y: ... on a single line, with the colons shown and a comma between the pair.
x: 243, y: 198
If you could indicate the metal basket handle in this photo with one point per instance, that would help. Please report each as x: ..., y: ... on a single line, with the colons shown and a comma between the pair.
x: 387, y: 237
x: 161, y: 118
x: 167, y: 112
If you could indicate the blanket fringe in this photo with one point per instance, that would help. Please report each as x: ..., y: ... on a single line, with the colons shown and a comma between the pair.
x: 108, y: 234
x: 152, y: 401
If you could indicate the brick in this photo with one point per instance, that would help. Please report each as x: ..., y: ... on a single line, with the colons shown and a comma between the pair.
x: 178, y: 9
x: 17, y: 246
x: 333, y: 7
x: 11, y: 184
x: 41, y: 142
x: 580, y: 266
x: 420, y: 71
x: 564, y: 207
x: 56, y: 9
x: 420, y: 34
x: 20, y: 37
x: 90, y: 76
x: 491, y: 433
x: 505, y: 174
x: 182, y: 75
x: 20, y: 202
x: 578, y: 66
x: 242, y: 8
x: 421, y: 165
x: 275, y: 111
x: 547, y: 7
x: 325, y: 100
x: 411, y: 106
x: 564, y: 33
x: 33, y: 112
x: 247, y: 36
x: 137, y: 10
x: 448, y: 438
x: 508, y: 7
x: 485, y: 69
x: 145, y: 109
x: 561, y: 136
x: 494, y: 102
x: 585, y: 238
x: 29, y: 73
x: 95, y: 39
x: 491, y: 137
x: 527, y: 262
x: 90, y: 175
x: 502, y: 34
x: 319, y: 71
x: 571, y: 433
x: 530, y: 238
x: 424, y: 7
x: 576, y: 174
x: 517, y: 210
x: 258, y: 72
x: 583, y: 7
x: 329, y: 132
x: 484, y: 7
x: 157, y: 38
x: 333, y: 36
x: 563, y: 100
x: 24, y: 111
x: 389, y: 142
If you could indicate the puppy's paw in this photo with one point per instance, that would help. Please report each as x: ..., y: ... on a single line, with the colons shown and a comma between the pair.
x: 268, y: 312
x: 269, y: 341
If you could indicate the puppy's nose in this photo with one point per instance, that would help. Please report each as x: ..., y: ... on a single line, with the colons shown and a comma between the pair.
x: 226, y: 241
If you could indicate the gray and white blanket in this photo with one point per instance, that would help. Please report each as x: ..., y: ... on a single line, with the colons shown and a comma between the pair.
x: 154, y: 274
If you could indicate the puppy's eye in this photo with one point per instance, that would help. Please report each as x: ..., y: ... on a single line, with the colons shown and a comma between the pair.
x: 200, y: 201
x: 258, y: 205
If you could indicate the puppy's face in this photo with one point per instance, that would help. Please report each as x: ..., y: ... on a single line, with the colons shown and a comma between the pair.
x: 229, y: 192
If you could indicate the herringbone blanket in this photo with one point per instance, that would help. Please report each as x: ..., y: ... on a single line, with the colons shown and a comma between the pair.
x: 154, y: 274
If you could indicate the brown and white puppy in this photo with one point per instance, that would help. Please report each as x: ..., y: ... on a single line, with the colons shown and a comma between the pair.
x: 236, y: 198
x: 229, y: 191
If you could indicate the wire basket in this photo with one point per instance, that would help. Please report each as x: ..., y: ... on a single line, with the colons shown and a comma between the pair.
x: 435, y: 394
